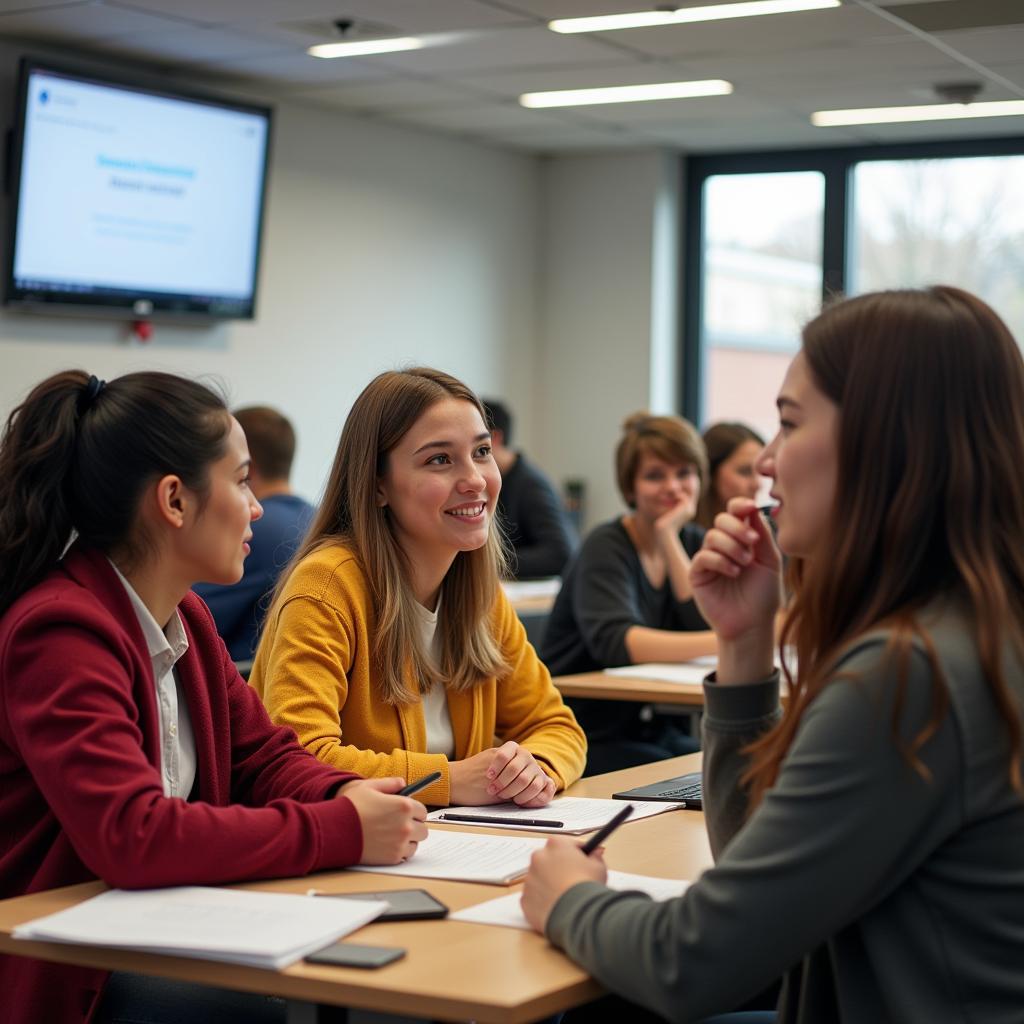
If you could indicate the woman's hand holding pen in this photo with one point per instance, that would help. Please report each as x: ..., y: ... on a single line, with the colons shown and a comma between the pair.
x: 554, y: 870
x: 500, y: 774
x: 737, y: 585
x: 392, y: 825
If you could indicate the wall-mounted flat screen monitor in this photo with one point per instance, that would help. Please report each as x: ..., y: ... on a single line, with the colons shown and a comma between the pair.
x: 132, y: 200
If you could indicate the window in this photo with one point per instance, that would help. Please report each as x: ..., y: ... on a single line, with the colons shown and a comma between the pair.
x: 762, y: 256
x: 769, y: 234
x: 958, y: 221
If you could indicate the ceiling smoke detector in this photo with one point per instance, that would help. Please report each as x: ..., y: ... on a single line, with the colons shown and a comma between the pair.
x: 957, y: 92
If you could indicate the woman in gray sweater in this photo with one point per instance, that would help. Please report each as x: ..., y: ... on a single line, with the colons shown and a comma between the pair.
x: 869, y: 839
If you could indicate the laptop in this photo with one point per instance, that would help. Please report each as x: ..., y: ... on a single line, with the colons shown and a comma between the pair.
x: 683, y: 789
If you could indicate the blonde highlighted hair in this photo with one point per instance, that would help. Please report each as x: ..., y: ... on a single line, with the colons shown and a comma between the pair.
x: 349, y: 514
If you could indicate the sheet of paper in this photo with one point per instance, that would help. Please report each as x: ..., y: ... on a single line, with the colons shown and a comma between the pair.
x: 507, y: 912
x: 578, y: 814
x: 523, y: 590
x: 261, y: 929
x: 684, y: 672
x: 465, y: 857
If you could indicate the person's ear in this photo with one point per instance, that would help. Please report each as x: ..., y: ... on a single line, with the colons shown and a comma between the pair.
x: 381, y: 495
x: 173, y: 501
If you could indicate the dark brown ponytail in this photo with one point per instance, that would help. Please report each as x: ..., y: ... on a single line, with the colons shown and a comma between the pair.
x: 77, y: 454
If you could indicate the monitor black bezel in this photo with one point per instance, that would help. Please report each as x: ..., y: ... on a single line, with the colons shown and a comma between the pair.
x: 121, y: 304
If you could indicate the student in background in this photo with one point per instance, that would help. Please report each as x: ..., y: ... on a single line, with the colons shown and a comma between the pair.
x: 238, y: 609
x: 627, y: 598
x: 390, y: 647
x: 732, y: 449
x: 870, y: 836
x: 130, y: 748
x: 530, y: 509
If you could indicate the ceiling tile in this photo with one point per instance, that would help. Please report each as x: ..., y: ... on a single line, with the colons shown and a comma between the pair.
x: 8, y: 6
x: 403, y: 15
x: 988, y: 45
x: 779, y: 33
x: 83, y: 22
x: 388, y: 94
x: 292, y: 69
x: 193, y: 45
x: 549, y: 9
x: 500, y: 48
x: 494, y: 117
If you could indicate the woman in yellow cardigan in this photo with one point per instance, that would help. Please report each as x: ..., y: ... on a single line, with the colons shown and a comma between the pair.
x: 390, y: 647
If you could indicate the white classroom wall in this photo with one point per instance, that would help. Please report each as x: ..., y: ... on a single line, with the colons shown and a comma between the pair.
x: 549, y: 282
x: 609, y: 309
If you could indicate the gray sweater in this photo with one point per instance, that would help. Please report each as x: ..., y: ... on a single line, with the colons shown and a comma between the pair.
x: 880, y: 896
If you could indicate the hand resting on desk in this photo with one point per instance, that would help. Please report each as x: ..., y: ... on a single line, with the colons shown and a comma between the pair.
x: 392, y: 825
x: 508, y: 772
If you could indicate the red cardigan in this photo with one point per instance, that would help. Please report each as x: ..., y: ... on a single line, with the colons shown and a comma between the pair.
x: 81, y: 795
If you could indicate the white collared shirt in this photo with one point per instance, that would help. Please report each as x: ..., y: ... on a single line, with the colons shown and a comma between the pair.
x: 177, y: 740
x: 440, y: 738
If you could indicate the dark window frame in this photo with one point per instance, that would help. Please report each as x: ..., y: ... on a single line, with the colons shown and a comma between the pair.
x: 836, y: 165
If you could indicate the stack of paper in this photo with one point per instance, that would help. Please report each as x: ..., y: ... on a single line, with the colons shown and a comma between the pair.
x: 683, y: 672
x: 525, y: 590
x: 506, y: 911
x: 259, y: 929
x: 466, y: 857
x: 567, y: 816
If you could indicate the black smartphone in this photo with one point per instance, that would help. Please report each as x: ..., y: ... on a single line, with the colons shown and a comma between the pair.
x: 403, y: 904
x: 349, y: 954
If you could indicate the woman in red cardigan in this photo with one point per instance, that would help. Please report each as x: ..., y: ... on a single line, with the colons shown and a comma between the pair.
x: 130, y: 748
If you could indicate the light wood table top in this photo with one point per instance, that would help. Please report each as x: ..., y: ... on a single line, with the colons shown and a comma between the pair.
x: 600, y: 686
x: 532, y: 597
x: 533, y: 605
x: 454, y: 970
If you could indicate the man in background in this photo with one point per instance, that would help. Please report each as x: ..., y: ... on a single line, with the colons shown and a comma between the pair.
x: 533, y: 514
x: 239, y: 609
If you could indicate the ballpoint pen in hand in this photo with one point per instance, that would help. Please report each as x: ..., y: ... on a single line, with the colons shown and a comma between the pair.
x: 606, y: 830
x: 415, y: 787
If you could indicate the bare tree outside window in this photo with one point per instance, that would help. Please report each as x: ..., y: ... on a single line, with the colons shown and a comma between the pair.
x: 954, y: 221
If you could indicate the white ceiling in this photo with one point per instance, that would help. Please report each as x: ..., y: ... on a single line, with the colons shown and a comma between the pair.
x: 484, y: 53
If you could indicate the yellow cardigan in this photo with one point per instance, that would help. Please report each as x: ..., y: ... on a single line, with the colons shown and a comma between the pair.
x: 313, y: 672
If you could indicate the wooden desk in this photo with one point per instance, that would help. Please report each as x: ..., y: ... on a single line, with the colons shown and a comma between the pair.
x: 532, y: 597
x: 599, y: 686
x: 454, y: 970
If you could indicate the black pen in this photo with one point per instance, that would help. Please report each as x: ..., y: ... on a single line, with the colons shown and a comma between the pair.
x: 492, y: 819
x: 415, y: 787
x: 606, y: 830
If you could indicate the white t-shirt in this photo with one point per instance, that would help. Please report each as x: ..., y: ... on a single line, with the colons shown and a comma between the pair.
x: 440, y: 738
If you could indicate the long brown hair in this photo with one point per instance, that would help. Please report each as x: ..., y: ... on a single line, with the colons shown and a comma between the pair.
x: 349, y: 514
x: 929, y: 499
x: 77, y: 454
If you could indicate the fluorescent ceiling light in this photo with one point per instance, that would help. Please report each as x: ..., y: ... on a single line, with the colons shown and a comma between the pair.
x: 928, y: 112
x: 687, y: 15
x: 626, y: 94
x: 365, y: 47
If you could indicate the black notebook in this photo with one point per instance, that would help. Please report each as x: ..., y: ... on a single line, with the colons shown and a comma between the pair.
x: 683, y: 789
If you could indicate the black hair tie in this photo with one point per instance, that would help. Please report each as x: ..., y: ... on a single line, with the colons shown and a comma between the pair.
x: 89, y: 393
